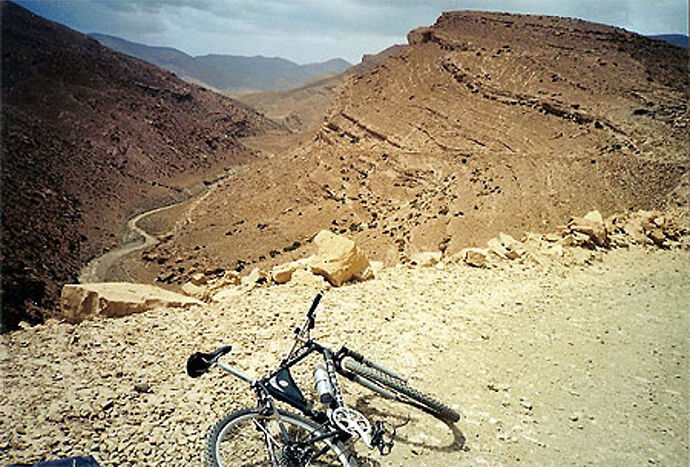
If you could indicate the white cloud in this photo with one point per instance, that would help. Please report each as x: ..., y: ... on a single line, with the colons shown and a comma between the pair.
x: 315, y: 30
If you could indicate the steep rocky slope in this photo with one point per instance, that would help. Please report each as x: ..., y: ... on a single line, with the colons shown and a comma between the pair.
x: 303, y: 109
x: 89, y: 137
x: 570, y: 366
x: 485, y: 123
x: 482, y: 83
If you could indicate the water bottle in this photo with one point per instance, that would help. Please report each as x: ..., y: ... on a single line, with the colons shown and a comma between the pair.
x: 323, y: 385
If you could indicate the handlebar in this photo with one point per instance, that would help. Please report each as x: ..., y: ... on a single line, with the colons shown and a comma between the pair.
x: 311, y: 314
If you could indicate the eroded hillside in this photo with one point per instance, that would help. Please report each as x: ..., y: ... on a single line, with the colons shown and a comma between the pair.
x: 485, y: 123
x: 89, y: 137
x: 304, y: 109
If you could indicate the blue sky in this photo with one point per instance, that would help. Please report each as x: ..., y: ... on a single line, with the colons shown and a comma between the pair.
x: 315, y: 30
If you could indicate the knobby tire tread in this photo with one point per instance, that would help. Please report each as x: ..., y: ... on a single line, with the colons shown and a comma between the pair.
x: 437, y: 408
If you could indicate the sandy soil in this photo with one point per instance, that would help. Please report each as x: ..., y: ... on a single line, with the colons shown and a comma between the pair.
x: 566, y: 366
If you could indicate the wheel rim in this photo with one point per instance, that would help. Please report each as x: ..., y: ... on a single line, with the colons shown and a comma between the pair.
x: 242, y: 441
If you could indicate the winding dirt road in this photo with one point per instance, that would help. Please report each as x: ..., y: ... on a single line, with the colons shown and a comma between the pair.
x: 136, y: 238
x: 98, y: 268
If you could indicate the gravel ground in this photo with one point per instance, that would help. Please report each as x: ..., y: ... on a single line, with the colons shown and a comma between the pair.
x: 567, y: 366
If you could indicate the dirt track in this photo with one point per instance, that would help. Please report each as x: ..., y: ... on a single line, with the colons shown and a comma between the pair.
x: 567, y: 366
x: 137, y: 239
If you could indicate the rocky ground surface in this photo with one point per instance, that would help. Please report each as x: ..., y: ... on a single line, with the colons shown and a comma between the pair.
x: 558, y: 365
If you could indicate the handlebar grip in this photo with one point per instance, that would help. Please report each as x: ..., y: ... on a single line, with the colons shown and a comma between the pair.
x: 311, y: 314
x: 315, y: 303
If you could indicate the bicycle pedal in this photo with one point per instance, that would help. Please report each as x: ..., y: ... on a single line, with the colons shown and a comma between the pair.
x: 383, y: 438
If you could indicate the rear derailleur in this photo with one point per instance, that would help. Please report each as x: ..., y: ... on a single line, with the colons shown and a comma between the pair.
x: 383, y: 437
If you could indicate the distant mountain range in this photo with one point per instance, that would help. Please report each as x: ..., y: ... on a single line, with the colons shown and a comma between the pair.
x: 231, y: 73
x: 681, y: 40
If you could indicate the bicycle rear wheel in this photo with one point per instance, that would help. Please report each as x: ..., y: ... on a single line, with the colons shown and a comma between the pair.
x: 435, y: 407
x: 248, y: 438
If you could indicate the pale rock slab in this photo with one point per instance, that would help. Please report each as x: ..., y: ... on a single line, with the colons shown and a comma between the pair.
x: 114, y: 299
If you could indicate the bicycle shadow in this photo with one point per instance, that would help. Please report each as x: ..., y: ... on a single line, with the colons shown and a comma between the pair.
x: 364, y: 406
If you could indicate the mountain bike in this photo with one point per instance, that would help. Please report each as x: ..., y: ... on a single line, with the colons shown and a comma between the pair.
x: 324, y: 432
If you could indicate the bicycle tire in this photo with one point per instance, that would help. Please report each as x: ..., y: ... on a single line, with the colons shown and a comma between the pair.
x: 435, y: 407
x: 246, y: 444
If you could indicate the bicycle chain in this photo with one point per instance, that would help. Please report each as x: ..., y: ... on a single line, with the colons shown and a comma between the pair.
x: 330, y: 368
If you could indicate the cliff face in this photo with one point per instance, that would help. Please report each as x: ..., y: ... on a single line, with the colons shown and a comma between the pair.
x: 484, y: 83
x: 89, y: 135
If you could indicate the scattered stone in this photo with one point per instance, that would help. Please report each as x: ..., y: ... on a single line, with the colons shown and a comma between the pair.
x: 526, y: 404
x: 114, y: 299
x: 204, y: 289
x: 476, y: 257
x: 196, y: 291
x: 142, y: 388
x: 283, y: 273
x: 587, y: 230
x: 426, y: 258
x: 505, y: 247
x: 304, y: 278
x: 256, y: 277
x: 199, y: 279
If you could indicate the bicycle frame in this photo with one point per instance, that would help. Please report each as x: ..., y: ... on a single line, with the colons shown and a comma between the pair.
x: 264, y: 383
x: 279, y: 385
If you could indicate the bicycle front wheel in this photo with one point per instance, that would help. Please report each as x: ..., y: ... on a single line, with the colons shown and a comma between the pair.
x: 248, y: 438
x: 430, y: 404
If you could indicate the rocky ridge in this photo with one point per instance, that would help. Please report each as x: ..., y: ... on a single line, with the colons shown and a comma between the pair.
x: 485, y: 123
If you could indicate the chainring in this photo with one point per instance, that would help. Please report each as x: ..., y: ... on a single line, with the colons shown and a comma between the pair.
x: 352, y: 422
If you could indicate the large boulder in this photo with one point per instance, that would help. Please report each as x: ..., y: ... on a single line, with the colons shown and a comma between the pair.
x: 113, y: 299
x: 338, y: 259
x: 590, y: 229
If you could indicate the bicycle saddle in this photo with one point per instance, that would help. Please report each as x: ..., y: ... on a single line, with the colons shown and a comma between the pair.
x: 199, y: 363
